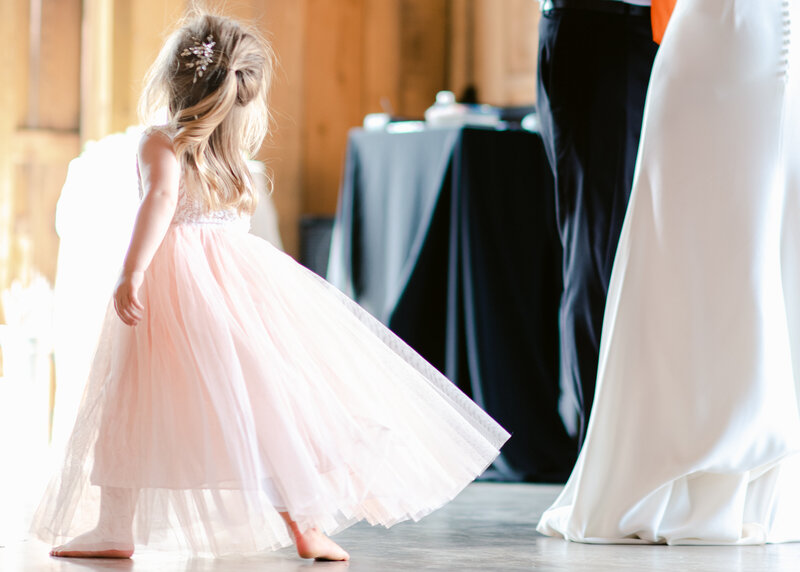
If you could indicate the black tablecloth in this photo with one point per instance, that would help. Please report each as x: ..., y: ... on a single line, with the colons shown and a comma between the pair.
x: 448, y: 236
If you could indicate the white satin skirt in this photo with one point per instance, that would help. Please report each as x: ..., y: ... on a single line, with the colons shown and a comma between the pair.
x: 695, y: 433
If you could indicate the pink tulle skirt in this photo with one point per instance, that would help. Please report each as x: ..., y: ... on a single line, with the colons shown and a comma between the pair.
x: 250, y: 387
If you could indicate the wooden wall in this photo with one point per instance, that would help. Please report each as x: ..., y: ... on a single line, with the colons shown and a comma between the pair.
x: 493, y: 47
x: 364, y: 56
x: 39, y: 128
x: 78, y: 69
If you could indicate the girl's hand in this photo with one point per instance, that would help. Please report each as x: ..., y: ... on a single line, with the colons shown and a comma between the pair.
x: 126, y: 297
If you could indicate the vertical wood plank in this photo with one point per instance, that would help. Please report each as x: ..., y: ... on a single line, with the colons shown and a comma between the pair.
x: 283, y: 22
x: 423, y: 68
x: 283, y: 151
x: 120, y: 40
x: 460, y: 60
x: 124, y: 43
x: 381, y: 80
x: 59, y: 80
x: 97, y: 45
x: 490, y: 49
x: 522, y: 53
x: 333, y: 91
x: 47, y: 139
x: 12, y: 23
x: 506, y: 51
x: 150, y: 22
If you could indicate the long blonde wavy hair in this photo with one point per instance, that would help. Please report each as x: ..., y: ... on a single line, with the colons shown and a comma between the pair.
x: 218, y: 118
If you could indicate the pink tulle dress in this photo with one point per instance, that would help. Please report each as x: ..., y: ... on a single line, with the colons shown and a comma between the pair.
x: 252, y: 386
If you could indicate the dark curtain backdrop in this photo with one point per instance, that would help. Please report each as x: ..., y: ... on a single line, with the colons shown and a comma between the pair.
x: 448, y: 236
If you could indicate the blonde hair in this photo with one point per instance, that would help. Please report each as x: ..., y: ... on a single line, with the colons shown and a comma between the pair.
x: 218, y: 116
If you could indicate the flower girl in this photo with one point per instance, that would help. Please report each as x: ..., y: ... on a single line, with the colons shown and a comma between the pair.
x: 237, y: 402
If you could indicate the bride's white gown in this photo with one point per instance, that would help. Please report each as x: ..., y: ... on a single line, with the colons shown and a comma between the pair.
x: 695, y: 432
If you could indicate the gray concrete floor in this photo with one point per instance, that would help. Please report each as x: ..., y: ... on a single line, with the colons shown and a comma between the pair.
x: 489, y: 527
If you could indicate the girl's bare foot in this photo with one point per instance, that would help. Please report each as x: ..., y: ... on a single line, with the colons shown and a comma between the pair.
x: 92, y: 545
x: 313, y: 544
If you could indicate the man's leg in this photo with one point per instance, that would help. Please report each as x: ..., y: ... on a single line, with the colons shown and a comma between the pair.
x: 593, y: 73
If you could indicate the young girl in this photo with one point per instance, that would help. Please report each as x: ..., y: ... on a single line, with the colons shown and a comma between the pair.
x: 237, y: 401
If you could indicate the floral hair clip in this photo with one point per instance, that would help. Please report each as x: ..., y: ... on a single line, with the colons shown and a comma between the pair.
x: 203, y: 53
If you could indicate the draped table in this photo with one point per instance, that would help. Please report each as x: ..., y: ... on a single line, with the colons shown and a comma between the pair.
x: 448, y: 236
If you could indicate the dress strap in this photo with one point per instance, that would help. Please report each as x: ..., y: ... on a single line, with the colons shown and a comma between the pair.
x: 166, y: 129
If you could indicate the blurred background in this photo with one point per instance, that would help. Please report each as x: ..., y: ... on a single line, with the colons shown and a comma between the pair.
x: 73, y: 71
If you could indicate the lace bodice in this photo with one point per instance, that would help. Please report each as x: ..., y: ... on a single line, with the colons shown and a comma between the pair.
x: 189, y: 210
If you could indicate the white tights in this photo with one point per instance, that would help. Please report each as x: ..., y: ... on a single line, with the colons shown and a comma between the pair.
x: 114, y: 530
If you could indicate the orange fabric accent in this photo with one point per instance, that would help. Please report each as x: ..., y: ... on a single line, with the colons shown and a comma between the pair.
x: 660, y: 11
